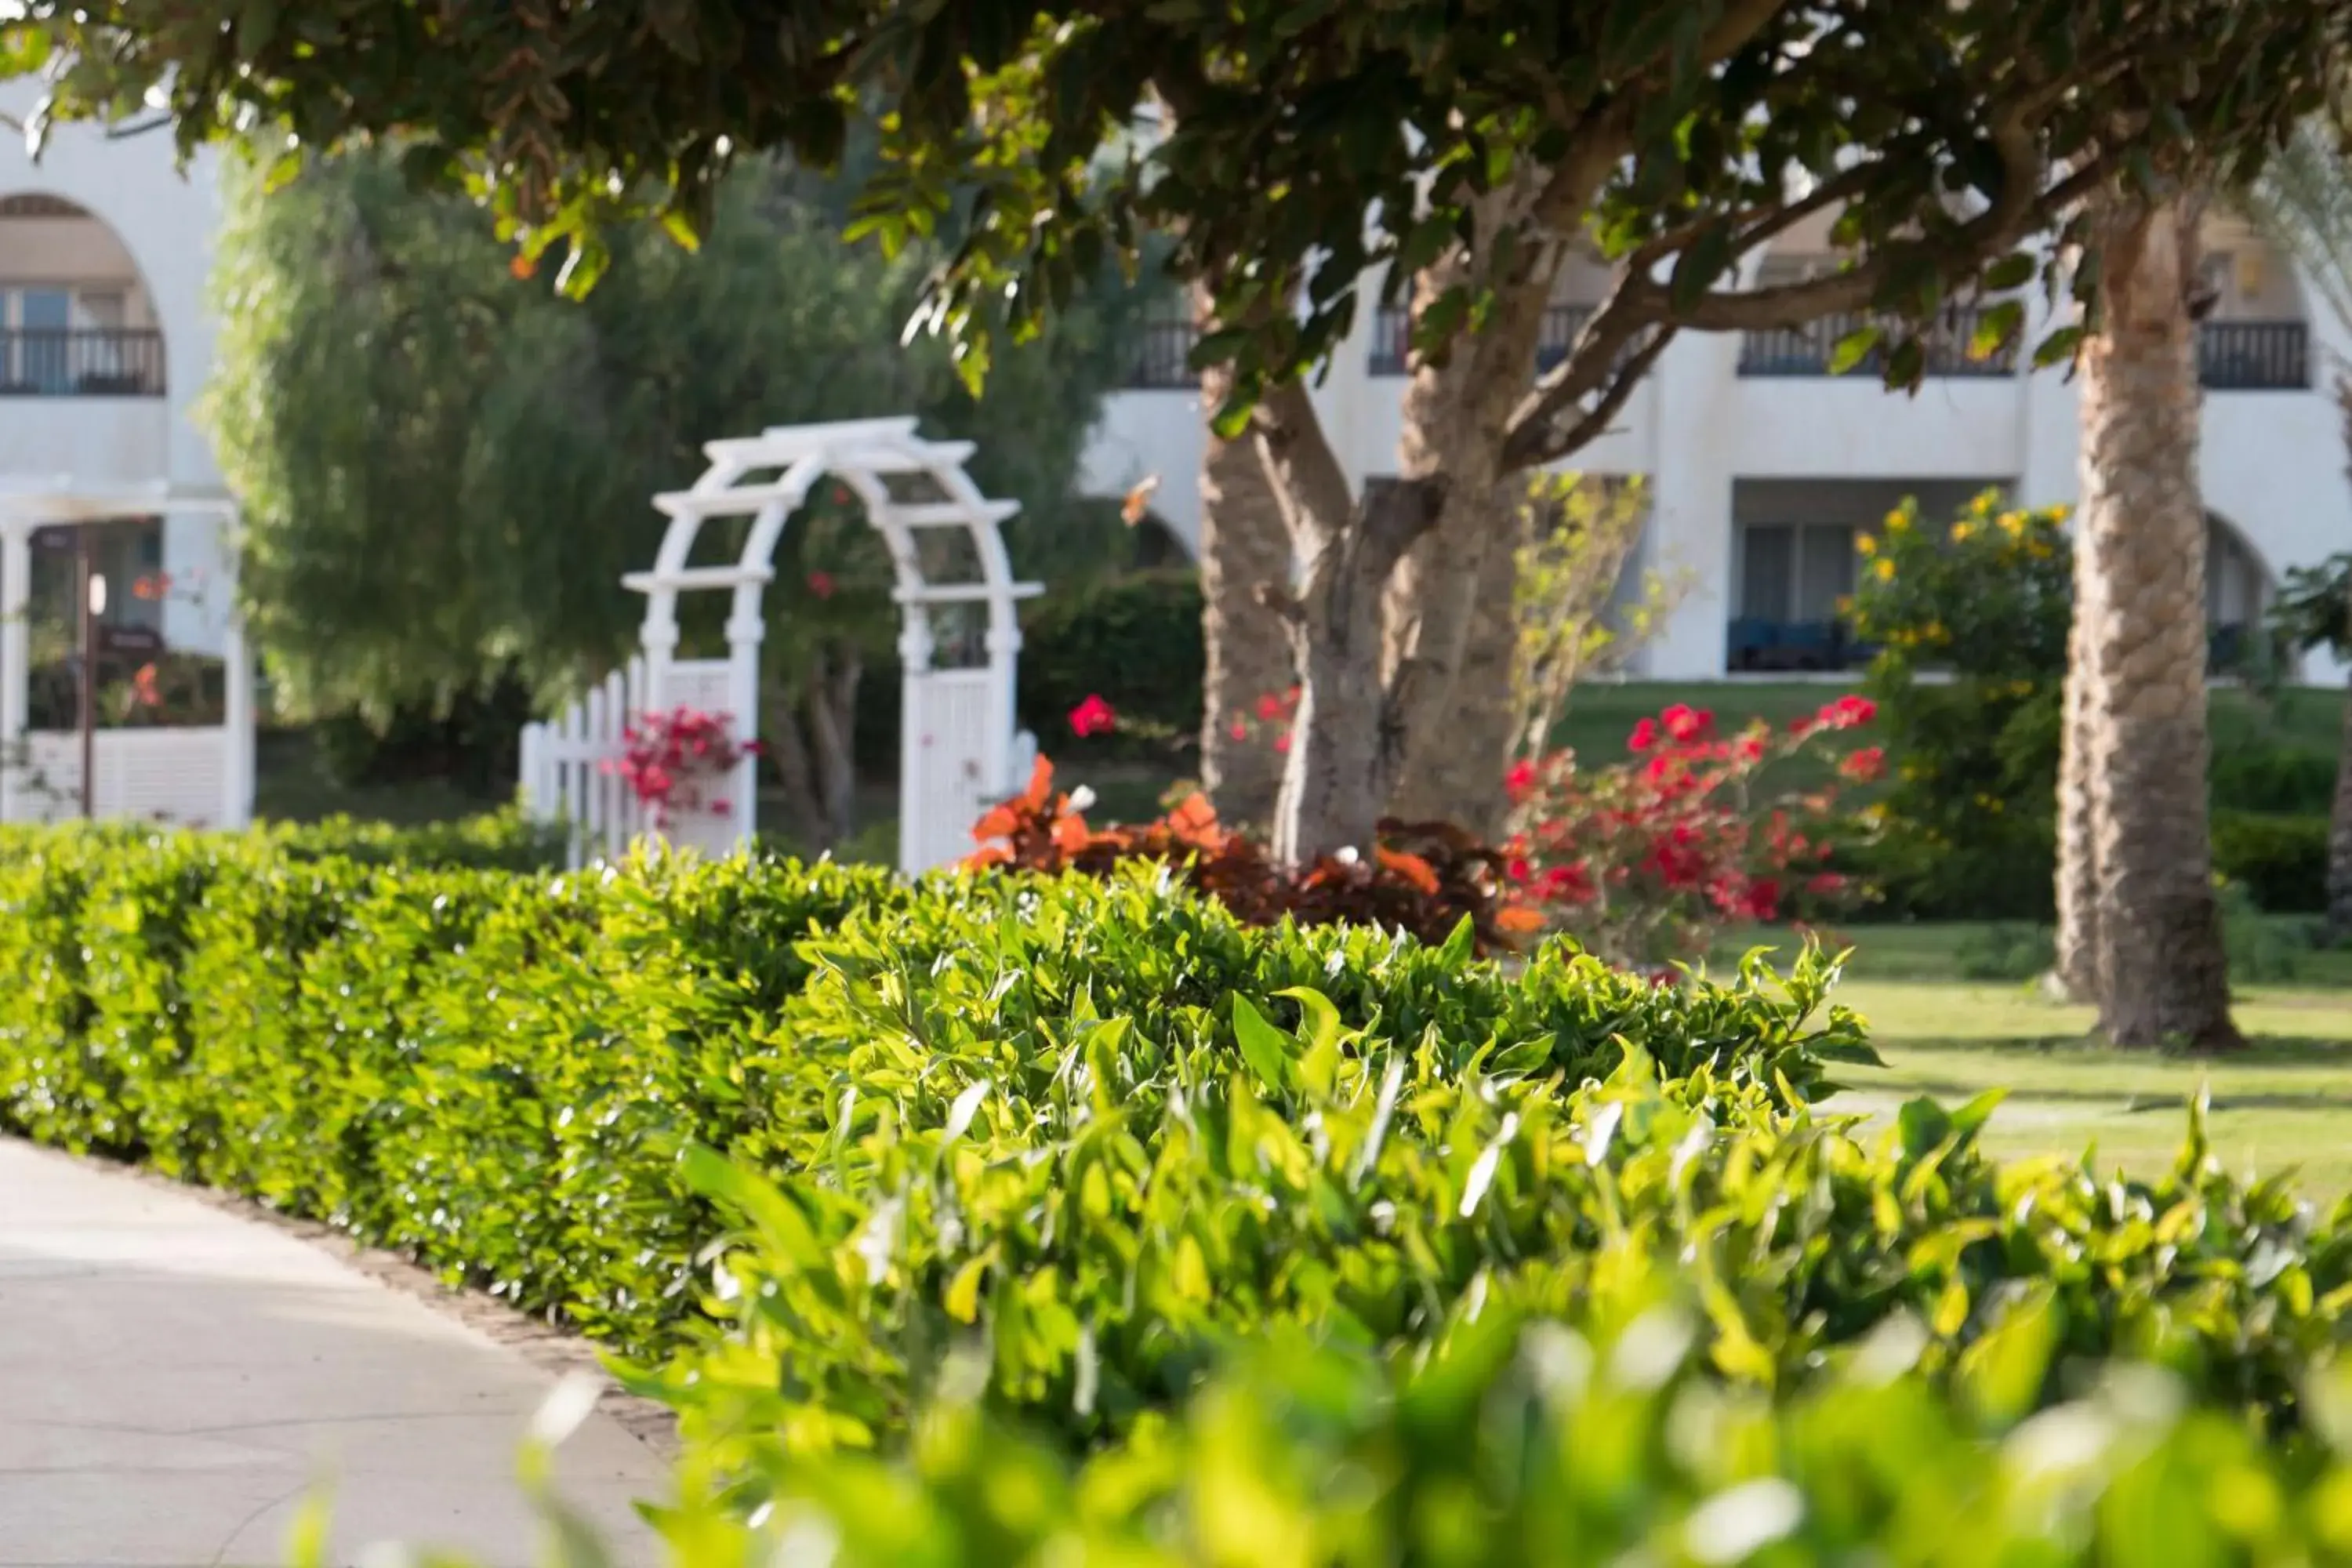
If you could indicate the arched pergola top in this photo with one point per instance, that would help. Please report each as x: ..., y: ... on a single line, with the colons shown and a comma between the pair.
x: 769, y: 476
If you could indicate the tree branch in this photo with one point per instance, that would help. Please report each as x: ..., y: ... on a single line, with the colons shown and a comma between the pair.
x: 1532, y: 442
x: 1308, y: 482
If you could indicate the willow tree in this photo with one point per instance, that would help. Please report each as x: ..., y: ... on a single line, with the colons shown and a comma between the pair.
x: 1320, y: 153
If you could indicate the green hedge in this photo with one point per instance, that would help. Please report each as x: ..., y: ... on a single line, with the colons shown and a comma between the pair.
x: 1601, y: 1440
x: 2281, y: 860
x: 793, y: 1138
x: 498, y: 1073
x: 1134, y: 641
x: 492, y: 841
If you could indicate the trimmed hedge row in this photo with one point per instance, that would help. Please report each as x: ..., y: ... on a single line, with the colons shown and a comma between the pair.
x: 1605, y: 1439
x: 498, y: 1073
x: 819, y: 1148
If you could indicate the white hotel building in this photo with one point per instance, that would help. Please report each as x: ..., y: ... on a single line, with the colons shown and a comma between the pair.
x: 1762, y: 467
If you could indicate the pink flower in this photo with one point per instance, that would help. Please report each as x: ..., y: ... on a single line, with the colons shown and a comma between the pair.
x: 1644, y: 736
x: 1269, y: 707
x: 1521, y: 778
x: 1240, y: 732
x: 1092, y: 717
x: 821, y: 584
x: 1282, y: 743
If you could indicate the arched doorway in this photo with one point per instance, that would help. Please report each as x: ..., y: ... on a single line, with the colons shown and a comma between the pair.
x: 2238, y: 590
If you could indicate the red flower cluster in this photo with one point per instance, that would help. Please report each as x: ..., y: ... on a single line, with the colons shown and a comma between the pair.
x: 1641, y: 859
x: 1092, y: 717
x: 671, y: 757
x: 1275, y: 715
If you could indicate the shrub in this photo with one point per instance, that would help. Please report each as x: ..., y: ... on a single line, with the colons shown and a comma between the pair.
x: 490, y: 841
x: 1645, y: 860
x: 1424, y: 879
x: 1593, y: 1438
x: 1133, y: 641
x: 1967, y: 823
x: 2274, y: 779
x: 2281, y: 861
x: 497, y: 1073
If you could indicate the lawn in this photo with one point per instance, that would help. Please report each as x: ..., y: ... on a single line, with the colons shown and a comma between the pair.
x: 2285, y: 1102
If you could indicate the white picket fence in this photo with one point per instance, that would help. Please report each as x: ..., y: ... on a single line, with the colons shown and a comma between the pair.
x: 949, y: 777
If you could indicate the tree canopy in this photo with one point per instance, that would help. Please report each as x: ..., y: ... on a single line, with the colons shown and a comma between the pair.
x: 1312, y: 143
x: 446, y: 469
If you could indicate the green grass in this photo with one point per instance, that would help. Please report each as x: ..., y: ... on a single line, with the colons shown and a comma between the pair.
x: 2285, y: 1102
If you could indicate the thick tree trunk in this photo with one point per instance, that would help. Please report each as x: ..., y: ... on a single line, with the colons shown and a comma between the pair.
x: 1244, y: 553
x: 2077, y: 970
x: 1349, y: 743
x: 2339, y: 839
x: 1452, y: 627
x: 2163, y: 975
x: 1457, y: 775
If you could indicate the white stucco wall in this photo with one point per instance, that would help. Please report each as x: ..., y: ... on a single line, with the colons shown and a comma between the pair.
x: 165, y: 219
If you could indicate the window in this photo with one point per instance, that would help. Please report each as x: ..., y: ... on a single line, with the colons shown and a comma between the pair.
x: 39, y: 320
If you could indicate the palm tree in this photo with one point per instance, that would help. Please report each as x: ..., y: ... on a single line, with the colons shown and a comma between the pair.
x: 2146, y: 941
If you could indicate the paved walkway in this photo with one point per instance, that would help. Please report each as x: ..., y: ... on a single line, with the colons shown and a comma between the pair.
x: 175, y: 1379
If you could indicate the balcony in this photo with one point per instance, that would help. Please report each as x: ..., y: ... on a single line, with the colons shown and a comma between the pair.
x: 1392, y: 336
x: 2253, y: 356
x: 1164, y: 362
x: 81, y: 362
x: 1808, y: 350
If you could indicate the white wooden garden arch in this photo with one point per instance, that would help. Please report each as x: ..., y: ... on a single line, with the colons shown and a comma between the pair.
x: 199, y: 776
x: 961, y: 749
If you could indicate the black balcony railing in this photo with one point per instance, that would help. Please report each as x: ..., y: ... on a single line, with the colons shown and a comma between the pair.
x: 2253, y: 356
x: 81, y: 362
x: 1392, y: 334
x: 1810, y: 350
x: 1164, y: 361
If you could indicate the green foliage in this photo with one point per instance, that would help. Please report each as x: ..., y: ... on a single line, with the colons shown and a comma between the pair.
x: 1596, y: 1439
x: 1135, y: 641
x: 1967, y: 823
x: 445, y: 469
x: 2278, y: 779
x: 2280, y: 860
x: 1698, y: 123
x: 2007, y: 952
x: 498, y: 1073
x: 2314, y: 607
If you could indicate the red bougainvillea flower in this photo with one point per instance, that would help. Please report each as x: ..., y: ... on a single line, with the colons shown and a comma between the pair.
x: 821, y: 584
x: 1520, y: 779
x: 1269, y: 707
x: 1282, y: 743
x: 1686, y: 723
x: 1092, y: 717
x: 1517, y: 870
x: 1644, y: 736
x: 1240, y: 732
x: 1863, y: 765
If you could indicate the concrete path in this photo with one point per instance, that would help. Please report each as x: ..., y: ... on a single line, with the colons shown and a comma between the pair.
x: 175, y: 1379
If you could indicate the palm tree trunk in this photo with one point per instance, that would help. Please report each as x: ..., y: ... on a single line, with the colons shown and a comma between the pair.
x: 1244, y: 549
x: 2339, y: 838
x: 2162, y: 969
x: 2077, y: 970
